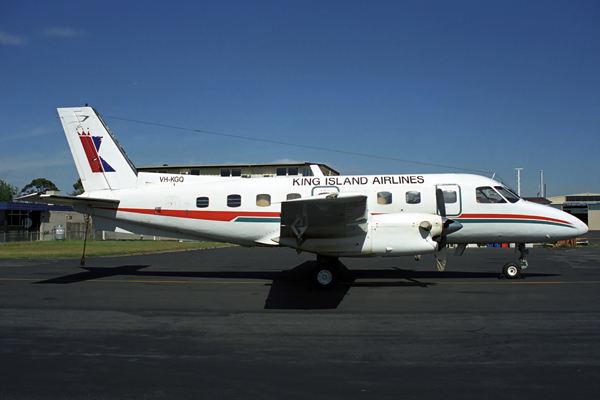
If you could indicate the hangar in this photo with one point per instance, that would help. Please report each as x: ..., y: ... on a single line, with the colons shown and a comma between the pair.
x: 21, y: 221
x: 585, y: 206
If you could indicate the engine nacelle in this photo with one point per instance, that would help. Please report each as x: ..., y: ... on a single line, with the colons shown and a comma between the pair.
x: 401, y: 234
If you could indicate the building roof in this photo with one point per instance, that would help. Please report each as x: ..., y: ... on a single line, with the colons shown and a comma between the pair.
x: 539, y: 200
x: 576, y: 198
x: 22, y: 206
x: 307, y: 164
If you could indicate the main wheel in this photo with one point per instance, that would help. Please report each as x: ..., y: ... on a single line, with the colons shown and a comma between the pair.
x: 511, y: 270
x: 324, y: 277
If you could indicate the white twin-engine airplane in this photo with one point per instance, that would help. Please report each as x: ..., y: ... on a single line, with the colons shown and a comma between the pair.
x: 331, y: 216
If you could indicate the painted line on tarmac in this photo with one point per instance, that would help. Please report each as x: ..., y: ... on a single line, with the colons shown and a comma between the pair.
x: 58, y: 280
x: 416, y: 283
x: 358, y: 283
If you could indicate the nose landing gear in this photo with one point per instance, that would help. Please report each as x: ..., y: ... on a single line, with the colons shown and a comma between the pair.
x: 512, y: 270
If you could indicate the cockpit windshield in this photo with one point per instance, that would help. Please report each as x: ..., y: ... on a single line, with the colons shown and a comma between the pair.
x: 486, y: 194
x: 508, y: 194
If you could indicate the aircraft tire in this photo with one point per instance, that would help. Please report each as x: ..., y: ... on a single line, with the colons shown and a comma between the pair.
x: 511, y: 270
x: 324, y: 277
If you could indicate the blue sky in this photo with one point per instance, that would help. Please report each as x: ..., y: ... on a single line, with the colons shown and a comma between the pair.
x: 481, y: 85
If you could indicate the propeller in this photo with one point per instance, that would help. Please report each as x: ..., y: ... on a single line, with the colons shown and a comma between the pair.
x: 449, y: 226
x: 440, y: 203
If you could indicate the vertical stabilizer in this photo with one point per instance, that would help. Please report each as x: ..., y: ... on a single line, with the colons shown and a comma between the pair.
x: 101, y: 162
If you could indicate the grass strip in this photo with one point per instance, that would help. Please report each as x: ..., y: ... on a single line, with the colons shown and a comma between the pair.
x: 74, y: 248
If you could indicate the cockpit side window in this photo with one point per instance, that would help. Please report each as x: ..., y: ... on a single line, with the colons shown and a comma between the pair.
x: 486, y: 194
x: 508, y: 194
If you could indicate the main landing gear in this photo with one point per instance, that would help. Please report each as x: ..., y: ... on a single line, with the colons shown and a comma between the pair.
x: 512, y: 270
x: 325, y: 274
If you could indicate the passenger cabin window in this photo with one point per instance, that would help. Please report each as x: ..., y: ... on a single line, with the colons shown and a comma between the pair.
x: 450, y: 196
x: 508, y: 194
x: 293, y: 171
x: 226, y: 172
x: 486, y: 194
x: 234, y: 200
x: 202, y: 202
x: 263, y: 200
x: 281, y: 171
x: 413, y: 197
x: 384, y: 198
x: 292, y: 196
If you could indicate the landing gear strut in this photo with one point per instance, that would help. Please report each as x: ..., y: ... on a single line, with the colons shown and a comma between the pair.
x: 325, y: 274
x: 523, y: 258
x: 512, y: 270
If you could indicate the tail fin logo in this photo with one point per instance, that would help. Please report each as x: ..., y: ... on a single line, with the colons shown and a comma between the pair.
x: 91, y: 146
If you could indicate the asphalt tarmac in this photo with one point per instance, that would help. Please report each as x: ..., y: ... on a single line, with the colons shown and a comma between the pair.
x: 238, y: 323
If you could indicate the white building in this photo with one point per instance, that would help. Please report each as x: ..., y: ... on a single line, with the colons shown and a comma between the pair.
x: 585, y: 206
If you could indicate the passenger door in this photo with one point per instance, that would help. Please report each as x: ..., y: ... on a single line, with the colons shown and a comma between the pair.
x: 452, y: 198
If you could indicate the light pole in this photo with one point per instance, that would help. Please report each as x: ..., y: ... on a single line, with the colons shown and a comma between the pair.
x: 542, y: 191
x: 519, y: 180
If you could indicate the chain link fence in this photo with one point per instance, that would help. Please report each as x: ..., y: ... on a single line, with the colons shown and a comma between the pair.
x: 26, y: 236
x: 67, y: 235
x: 20, y: 236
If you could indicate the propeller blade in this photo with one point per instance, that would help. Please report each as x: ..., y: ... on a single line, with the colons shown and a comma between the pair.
x: 449, y: 226
x: 441, y: 259
x: 441, y: 204
x: 441, y: 251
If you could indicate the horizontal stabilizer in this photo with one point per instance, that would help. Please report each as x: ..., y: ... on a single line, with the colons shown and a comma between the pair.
x: 73, y: 201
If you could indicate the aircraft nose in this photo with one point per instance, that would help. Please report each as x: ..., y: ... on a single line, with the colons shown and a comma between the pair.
x: 579, y: 225
x: 582, y: 228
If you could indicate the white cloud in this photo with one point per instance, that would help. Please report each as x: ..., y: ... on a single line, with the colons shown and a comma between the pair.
x: 61, y: 32
x: 12, y: 40
x: 286, y: 161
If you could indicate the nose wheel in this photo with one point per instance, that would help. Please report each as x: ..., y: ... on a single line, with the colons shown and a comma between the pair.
x: 511, y: 270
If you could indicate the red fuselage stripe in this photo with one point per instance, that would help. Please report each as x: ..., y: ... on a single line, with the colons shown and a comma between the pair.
x: 205, y: 215
x: 231, y: 215
x: 513, y: 216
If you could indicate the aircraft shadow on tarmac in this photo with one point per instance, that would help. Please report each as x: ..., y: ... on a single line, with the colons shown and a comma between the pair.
x: 291, y: 289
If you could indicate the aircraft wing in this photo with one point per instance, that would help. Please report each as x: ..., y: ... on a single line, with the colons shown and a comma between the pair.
x: 338, y: 215
x: 74, y: 201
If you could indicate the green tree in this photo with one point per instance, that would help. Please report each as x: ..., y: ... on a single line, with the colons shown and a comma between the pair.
x: 7, y: 191
x: 39, y: 185
x: 78, y: 188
